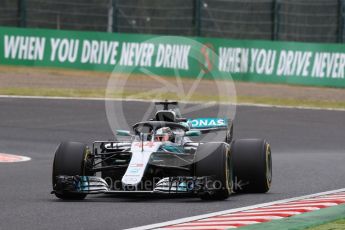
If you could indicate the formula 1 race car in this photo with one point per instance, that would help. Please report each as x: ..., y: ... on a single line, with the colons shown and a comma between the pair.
x: 160, y: 157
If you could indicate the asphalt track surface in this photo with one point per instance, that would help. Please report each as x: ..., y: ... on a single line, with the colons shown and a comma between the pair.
x: 308, y: 148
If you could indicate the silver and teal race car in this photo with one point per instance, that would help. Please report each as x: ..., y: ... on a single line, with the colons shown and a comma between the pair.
x: 165, y: 156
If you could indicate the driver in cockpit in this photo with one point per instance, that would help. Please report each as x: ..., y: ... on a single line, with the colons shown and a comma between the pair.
x: 166, y: 135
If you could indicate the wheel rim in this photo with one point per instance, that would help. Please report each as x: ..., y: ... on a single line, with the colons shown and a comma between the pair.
x: 228, y: 173
x: 268, y: 165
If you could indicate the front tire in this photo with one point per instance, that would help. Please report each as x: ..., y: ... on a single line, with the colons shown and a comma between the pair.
x: 214, y: 160
x: 252, y: 162
x: 70, y: 160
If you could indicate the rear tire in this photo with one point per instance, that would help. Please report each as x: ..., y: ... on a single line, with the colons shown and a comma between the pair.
x: 213, y: 159
x: 252, y: 163
x: 70, y: 159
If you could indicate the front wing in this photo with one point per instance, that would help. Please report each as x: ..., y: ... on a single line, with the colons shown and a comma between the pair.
x: 168, y: 185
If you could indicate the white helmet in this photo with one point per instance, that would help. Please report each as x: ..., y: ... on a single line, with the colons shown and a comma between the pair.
x: 164, y: 134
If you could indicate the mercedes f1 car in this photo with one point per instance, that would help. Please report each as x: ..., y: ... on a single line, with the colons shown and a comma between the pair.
x: 160, y: 157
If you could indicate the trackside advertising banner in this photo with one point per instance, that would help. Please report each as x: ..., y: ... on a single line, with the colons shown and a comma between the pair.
x: 246, y: 60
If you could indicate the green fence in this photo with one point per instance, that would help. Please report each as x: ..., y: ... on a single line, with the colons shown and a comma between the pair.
x: 283, y: 20
x: 245, y: 60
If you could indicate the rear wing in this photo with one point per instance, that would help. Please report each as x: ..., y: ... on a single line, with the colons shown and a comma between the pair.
x: 206, y: 125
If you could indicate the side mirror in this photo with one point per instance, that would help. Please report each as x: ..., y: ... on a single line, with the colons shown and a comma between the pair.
x: 124, y: 133
x: 193, y: 133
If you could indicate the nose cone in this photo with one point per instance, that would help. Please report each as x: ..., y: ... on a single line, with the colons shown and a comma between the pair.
x: 130, y: 182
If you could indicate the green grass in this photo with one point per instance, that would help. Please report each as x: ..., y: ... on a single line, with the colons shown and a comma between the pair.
x: 336, y: 225
x: 100, y: 93
x: 52, y: 92
x: 292, y: 102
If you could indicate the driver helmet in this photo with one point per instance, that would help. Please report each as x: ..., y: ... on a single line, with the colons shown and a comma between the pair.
x: 164, y: 134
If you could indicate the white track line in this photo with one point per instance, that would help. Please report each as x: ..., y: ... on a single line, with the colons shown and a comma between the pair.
x: 229, y: 211
x: 190, y: 102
